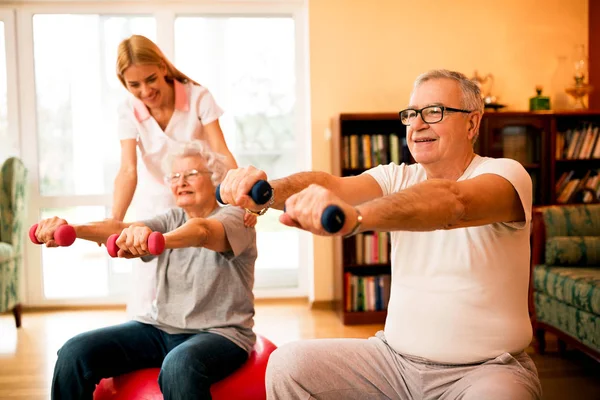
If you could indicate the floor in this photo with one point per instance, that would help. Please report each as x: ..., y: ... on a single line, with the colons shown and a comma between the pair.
x: 27, y: 355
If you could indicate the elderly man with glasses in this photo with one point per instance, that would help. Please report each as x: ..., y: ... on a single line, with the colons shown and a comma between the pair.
x: 198, y: 329
x: 457, y: 323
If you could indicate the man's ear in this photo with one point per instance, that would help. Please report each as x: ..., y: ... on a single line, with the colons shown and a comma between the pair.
x: 473, y: 124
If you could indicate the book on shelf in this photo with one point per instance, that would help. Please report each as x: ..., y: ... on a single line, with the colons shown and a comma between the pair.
x: 371, y: 248
x: 582, y: 186
x: 578, y: 144
x: 366, y: 293
x: 368, y: 151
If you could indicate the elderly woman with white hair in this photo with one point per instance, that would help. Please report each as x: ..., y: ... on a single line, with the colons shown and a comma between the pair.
x: 199, y: 328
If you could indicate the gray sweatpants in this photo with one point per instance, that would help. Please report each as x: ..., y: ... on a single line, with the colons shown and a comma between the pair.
x: 369, y: 369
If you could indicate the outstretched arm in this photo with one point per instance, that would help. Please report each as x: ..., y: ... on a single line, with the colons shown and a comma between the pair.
x: 443, y: 204
x: 196, y: 232
x: 94, y: 231
x: 353, y: 190
x: 199, y: 232
x: 430, y: 205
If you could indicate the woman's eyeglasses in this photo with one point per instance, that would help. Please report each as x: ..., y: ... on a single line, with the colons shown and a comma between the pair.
x: 189, y: 176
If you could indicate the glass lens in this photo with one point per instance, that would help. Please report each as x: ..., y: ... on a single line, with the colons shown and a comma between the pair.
x: 407, y: 115
x: 190, y: 175
x: 432, y: 114
x: 172, y: 178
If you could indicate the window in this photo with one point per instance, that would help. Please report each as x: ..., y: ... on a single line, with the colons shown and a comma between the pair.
x: 77, y: 94
x: 9, y: 140
x: 67, y: 111
x: 249, y: 65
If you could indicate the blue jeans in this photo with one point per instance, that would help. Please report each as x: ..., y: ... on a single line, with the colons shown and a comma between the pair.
x: 189, y: 363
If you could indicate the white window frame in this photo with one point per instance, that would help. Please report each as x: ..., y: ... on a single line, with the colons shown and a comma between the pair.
x: 7, y: 16
x: 165, y: 15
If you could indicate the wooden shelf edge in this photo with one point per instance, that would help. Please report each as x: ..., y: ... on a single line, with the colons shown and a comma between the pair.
x: 367, y: 266
x: 364, y: 317
x: 577, y: 160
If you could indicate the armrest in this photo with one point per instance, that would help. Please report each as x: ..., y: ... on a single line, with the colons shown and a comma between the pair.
x: 538, y: 252
x: 13, y: 187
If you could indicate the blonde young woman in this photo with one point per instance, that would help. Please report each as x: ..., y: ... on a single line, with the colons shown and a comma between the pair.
x: 166, y: 107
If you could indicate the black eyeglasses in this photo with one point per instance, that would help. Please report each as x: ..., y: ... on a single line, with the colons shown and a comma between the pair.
x: 429, y: 114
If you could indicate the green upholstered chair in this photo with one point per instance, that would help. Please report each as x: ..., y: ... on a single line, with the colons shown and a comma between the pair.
x: 565, y: 295
x: 13, y: 188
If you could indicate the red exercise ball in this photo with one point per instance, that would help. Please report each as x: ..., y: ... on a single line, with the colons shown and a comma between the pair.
x: 247, y: 383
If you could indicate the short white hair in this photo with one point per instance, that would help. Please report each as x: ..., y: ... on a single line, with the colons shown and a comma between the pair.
x: 471, y: 94
x: 215, y: 162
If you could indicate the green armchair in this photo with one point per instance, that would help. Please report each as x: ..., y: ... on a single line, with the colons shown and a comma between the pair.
x: 13, y: 185
x: 565, y: 296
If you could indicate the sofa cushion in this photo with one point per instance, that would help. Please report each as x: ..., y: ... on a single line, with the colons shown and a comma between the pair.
x: 572, y: 220
x: 6, y: 251
x: 577, y: 286
x: 573, y: 250
x: 579, y: 324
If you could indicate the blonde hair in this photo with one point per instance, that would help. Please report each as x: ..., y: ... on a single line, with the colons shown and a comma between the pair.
x: 215, y: 162
x: 140, y: 50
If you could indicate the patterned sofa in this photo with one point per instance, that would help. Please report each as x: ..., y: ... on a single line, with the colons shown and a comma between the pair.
x: 13, y: 184
x: 565, y: 296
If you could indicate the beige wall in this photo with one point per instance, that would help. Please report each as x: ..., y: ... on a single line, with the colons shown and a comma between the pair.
x: 364, y: 55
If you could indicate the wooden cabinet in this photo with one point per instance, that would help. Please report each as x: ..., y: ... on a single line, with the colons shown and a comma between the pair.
x: 536, y: 139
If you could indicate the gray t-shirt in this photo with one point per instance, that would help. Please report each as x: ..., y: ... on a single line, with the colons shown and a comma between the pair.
x: 198, y: 289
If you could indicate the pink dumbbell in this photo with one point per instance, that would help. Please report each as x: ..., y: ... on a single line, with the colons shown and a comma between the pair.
x: 156, y: 244
x: 64, y: 235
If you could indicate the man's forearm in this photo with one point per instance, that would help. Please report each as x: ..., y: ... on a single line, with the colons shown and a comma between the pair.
x: 288, y: 186
x: 99, y: 231
x: 427, y: 206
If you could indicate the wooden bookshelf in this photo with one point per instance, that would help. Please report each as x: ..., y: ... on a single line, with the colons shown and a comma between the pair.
x: 539, y: 134
x: 528, y: 137
x: 386, y: 142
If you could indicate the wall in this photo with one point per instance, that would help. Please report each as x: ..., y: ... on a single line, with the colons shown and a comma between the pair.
x: 364, y: 56
x: 594, y: 43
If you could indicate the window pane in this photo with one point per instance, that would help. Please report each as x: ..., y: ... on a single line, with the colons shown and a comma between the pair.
x: 9, y: 145
x: 77, y: 94
x: 249, y: 66
x: 83, y: 269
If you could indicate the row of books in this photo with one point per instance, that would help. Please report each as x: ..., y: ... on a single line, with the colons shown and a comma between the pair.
x: 578, y: 144
x: 573, y: 188
x: 367, y: 293
x: 368, y: 151
x: 369, y: 248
